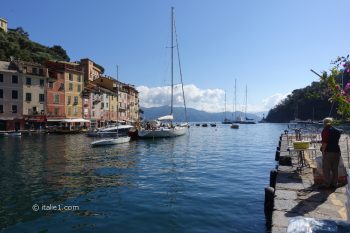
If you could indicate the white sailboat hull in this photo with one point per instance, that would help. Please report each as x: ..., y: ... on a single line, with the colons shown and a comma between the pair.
x: 110, y: 141
x: 163, y: 132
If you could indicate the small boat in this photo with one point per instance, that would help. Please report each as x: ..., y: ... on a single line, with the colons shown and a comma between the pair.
x: 213, y: 125
x: 205, y: 125
x: 198, y: 124
x: 14, y: 133
x: 110, y: 141
x: 234, y: 126
x: 110, y: 131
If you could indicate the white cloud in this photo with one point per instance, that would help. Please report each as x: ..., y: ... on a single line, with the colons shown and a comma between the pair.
x: 210, y: 100
x: 273, y: 100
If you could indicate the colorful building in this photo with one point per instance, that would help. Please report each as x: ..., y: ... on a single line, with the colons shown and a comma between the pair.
x: 3, y: 24
x: 34, y: 79
x: 65, y: 95
x: 11, y: 97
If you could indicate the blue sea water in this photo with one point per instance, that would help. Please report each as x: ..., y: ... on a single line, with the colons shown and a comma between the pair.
x: 211, y: 180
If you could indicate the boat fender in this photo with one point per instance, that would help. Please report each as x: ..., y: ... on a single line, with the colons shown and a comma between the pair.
x: 277, y: 155
x: 273, y: 178
x: 278, y: 148
x: 279, y: 143
x: 269, y: 204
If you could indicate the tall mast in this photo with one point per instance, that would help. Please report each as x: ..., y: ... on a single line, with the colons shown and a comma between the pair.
x: 117, y: 98
x: 172, y: 59
x: 225, y: 107
x: 234, y: 107
x: 246, y: 100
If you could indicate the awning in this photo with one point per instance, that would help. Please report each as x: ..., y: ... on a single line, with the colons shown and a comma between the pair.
x: 166, y: 118
x: 65, y: 120
x: 75, y: 120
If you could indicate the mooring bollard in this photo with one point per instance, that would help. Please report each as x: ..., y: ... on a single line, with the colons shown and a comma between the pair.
x: 273, y: 178
x: 269, y: 204
x: 277, y: 155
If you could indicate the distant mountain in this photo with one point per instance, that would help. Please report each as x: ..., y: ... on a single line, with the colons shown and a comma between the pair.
x: 193, y: 115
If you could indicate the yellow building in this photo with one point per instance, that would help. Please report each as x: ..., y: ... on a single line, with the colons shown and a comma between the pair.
x: 3, y: 24
x: 73, y: 94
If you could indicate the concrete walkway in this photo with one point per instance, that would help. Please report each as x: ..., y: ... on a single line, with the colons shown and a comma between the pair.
x: 296, y: 194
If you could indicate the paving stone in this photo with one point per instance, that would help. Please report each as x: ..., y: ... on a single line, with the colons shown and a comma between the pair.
x: 286, y: 194
x: 285, y: 205
x: 276, y: 229
x: 279, y: 219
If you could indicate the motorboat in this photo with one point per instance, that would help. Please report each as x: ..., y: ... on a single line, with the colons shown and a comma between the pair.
x: 110, y: 141
x: 111, y: 131
x: 234, y: 126
x: 14, y: 133
x: 213, y: 125
x: 205, y: 125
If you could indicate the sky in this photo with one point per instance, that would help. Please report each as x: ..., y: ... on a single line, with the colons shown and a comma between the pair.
x: 268, y: 46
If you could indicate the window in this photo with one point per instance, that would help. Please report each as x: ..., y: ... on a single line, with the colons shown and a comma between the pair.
x: 106, y: 105
x: 35, y: 70
x: 14, y: 108
x: 69, y: 100
x: 14, y: 79
x: 56, y: 99
x: 28, y: 81
x: 14, y: 94
x: 75, y: 99
x: 102, y: 105
x: 41, y: 72
x: 28, y: 96
x: 1, y: 108
x: 50, y: 84
x: 56, y: 111
x: 75, y: 110
x: 69, y: 110
x: 41, y: 97
x: 79, y: 87
x: 42, y: 82
x: 1, y: 93
x: 1, y: 78
x: 79, y: 78
x: 70, y: 76
x: 71, y: 87
x: 62, y: 86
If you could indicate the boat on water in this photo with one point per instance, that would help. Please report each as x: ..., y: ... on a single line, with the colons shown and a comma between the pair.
x: 226, y: 120
x: 198, y: 124
x: 14, y: 133
x: 114, y: 130
x: 164, y: 127
x: 245, y: 120
x: 213, y: 125
x: 110, y: 131
x: 234, y: 126
x: 205, y: 125
x: 110, y: 141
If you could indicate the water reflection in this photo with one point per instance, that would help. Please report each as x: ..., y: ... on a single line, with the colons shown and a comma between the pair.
x: 193, y: 183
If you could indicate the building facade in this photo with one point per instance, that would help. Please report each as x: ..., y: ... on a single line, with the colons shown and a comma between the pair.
x: 34, y: 79
x: 11, y: 97
x: 3, y: 24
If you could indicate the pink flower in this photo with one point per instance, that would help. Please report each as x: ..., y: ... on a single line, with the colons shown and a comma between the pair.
x: 348, y: 70
x: 348, y: 100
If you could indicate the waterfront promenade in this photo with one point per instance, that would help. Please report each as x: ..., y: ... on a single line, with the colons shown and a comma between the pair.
x: 297, y: 195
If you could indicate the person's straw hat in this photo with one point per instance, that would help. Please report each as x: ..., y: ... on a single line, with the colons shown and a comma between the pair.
x: 327, y: 121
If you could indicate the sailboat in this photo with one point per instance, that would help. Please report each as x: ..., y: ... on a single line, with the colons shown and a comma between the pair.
x: 246, y: 119
x: 163, y: 127
x: 226, y: 121
x: 115, y: 140
x: 234, y: 125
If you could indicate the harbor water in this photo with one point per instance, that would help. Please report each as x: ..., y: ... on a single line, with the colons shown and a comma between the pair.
x: 211, y: 180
